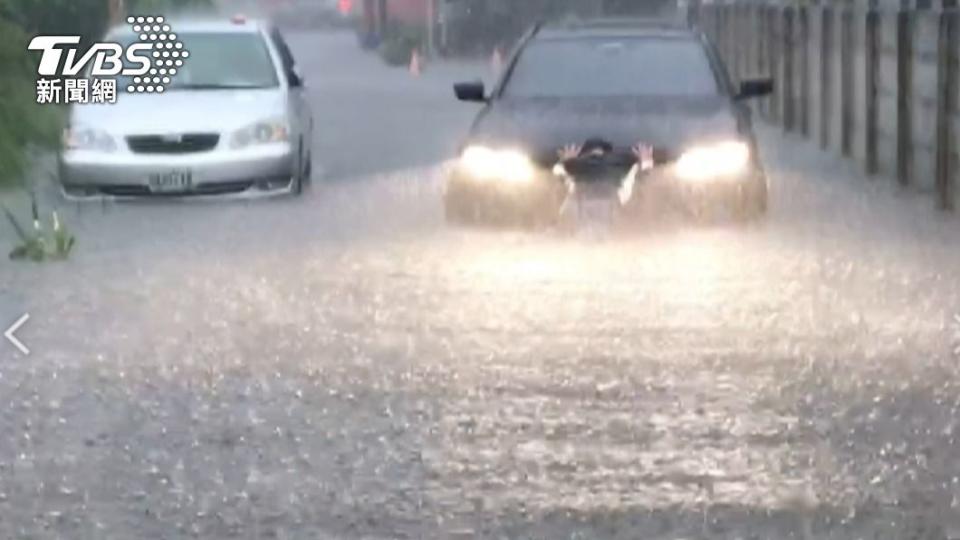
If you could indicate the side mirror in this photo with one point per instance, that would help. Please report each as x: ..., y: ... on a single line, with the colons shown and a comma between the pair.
x: 295, y: 77
x: 750, y: 88
x: 470, y: 91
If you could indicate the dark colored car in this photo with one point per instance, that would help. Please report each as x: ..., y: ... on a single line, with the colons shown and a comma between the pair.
x: 626, y: 82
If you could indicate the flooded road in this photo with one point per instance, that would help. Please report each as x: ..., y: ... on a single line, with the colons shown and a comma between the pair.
x: 345, y: 365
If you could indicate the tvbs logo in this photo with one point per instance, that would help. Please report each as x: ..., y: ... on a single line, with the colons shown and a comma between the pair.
x: 148, y: 64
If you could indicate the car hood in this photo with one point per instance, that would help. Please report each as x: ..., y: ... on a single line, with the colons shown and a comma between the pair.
x: 181, y: 111
x: 542, y: 125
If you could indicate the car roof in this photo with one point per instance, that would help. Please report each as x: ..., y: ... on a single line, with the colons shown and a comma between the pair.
x: 615, y: 27
x: 205, y: 25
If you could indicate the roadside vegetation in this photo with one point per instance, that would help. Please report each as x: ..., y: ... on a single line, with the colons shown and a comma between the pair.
x: 399, y: 43
x: 42, y: 241
x: 23, y: 124
x: 28, y: 129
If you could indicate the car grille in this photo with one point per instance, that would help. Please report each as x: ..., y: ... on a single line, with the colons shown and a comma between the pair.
x: 213, y: 188
x: 186, y: 143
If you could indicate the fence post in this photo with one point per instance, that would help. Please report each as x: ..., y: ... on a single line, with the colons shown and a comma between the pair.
x: 694, y: 13
x: 704, y: 22
x: 756, y: 40
x: 730, y: 24
x: 826, y: 74
x: 760, y: 20
x: 714, y: 26
x: 732, y: 56
x: 789, y: 91
x: 773, y: 43
x: 721, y: 37
x: 946, y: 108
x: 904, y: 95
x: 728, y: 31
x: 872, y: 58
x: 708, y: 20
x: 715, y: 9
x: 803, y: 18
x: 846, y: 82
x: 743, y: 40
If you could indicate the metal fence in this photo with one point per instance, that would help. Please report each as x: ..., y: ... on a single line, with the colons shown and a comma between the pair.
x: 876, y: 85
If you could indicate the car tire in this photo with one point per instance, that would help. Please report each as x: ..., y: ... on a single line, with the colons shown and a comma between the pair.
x: 308, y: 170
x: 296, y: 185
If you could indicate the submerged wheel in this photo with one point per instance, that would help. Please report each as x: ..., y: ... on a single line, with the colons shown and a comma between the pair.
x: 296, y: 183
x: 308, y: 170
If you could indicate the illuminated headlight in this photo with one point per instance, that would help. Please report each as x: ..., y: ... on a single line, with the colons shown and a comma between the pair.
x: 267, y: 131
x: 487, y: 164
x: 79, y: 138
x: 714, y: 161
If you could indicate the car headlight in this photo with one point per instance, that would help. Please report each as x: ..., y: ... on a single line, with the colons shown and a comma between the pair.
x: 485, y: 163
x: 713, y: 161
x: 263, y: 132
x: 81, y: 138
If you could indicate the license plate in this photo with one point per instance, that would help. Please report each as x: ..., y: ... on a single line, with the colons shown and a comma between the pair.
x: 171, y: 181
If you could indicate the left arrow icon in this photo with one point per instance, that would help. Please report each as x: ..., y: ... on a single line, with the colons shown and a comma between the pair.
x: 13, y: 328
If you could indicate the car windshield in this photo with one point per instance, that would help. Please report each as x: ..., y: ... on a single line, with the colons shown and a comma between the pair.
x: 599, y: 67
x: 219, y: 60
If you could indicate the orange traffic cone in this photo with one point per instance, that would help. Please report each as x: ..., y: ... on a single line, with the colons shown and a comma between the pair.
x: 415, y: 67
x: 496, y: 62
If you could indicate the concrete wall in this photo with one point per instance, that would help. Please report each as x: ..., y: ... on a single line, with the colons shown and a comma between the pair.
x: 879, y: 86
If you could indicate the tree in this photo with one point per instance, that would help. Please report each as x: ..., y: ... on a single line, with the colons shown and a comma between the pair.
x: 22, y: 121
x: 86, y: 18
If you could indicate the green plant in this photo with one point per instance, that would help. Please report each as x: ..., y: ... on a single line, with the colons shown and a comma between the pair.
x: 37, y: 244
x: 400, y: 42
x: 23, y: 122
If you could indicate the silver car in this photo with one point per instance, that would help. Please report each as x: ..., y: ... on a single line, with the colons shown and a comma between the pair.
x: 232, y: 120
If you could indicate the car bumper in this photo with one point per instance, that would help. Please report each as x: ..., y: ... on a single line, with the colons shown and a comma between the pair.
x: 546, y: 186
x: 543, y: 188
x: 264, y: 170
x: 667, y: 178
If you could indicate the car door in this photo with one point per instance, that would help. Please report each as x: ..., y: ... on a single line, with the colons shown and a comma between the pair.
x: 300, y: 112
